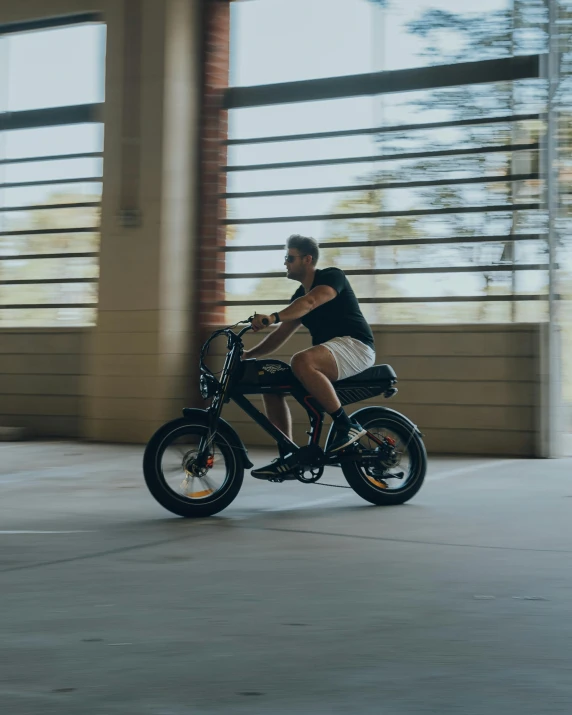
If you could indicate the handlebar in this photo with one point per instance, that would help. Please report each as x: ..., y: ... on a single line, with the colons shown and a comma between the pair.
x: 232, y: 338
x: 244, y: 330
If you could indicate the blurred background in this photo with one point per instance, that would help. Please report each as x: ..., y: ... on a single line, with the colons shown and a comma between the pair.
x: 155, y: 156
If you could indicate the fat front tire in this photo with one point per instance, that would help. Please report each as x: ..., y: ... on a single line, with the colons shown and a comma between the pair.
x: 172, y: 476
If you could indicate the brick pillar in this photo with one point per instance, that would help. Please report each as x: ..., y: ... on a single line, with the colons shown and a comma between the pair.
x: 214, y: 130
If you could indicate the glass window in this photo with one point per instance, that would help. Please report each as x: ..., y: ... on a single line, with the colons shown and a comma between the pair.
x: 440, y: 190
x: 287, y: 40
x: 50, y: 178
x: 39, y: 72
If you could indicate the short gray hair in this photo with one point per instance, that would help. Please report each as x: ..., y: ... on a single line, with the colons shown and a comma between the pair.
x: 306, y: 245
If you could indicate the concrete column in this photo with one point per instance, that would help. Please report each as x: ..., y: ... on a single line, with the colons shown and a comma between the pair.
x: 138, y: 360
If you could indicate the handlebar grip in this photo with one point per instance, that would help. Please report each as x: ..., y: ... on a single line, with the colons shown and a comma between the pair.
x: 265, y: 321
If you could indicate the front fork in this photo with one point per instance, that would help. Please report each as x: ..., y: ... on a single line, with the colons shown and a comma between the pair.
x: 215, y: 409
x: 205, y: 444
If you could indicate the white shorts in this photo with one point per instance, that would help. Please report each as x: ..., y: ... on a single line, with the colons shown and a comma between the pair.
x: 351, y: 355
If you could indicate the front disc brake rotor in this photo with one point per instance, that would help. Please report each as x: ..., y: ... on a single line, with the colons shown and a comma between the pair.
x: 194, y: 470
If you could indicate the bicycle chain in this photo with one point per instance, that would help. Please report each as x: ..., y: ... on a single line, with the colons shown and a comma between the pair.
x: 337, y: 486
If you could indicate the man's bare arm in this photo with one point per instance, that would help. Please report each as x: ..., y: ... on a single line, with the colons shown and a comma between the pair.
x: 306, y: 303
x: 273, y: 340
x: 298, y: 308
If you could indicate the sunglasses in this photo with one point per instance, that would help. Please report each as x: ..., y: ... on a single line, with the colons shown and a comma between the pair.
x: 291, y: 259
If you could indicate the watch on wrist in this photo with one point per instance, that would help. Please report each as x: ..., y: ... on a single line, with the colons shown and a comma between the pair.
x: 276, y: 318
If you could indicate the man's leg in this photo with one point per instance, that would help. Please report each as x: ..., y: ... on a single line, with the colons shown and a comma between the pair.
x: 316, y: 368
x: 278, y: 413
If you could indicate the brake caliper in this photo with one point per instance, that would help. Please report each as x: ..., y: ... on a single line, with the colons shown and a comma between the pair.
x: 388, y: 455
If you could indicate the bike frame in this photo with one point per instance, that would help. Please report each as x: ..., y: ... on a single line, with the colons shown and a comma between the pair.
x: 229, y: 391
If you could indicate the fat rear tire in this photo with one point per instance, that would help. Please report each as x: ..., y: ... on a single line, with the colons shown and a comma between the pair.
x: 355, y: 475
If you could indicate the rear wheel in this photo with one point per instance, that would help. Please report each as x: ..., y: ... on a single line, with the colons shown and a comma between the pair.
x: 184, y: 484
x: 398, y: 470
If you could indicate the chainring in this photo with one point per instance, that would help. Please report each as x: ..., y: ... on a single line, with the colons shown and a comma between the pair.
x: 316, y: 473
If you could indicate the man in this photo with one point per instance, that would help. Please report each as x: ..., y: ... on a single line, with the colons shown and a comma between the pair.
x: 342, y: 342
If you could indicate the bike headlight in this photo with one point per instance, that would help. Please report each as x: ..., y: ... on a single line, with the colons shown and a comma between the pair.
x: 207, y: 385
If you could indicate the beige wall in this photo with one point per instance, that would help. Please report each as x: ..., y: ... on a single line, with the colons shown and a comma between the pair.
x: 41, y: 381
x: 472, y: 389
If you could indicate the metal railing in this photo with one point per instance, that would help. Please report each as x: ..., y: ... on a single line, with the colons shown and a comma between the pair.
x: 508, y: 69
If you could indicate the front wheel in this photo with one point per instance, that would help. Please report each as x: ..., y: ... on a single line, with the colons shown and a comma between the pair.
x: 399, y: 469
x: 183, y: 482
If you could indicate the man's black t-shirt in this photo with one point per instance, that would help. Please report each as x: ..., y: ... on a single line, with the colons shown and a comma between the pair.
x: 338, y: 317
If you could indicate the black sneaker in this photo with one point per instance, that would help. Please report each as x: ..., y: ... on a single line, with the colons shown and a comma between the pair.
x: 275, y: 470
x: 345, y: 437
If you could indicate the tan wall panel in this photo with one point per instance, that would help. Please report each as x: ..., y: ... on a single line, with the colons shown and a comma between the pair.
x: 39, y: 365
x: 447, y: 344
x: 128, y: 386
x: 125, y: 343
x: 480, y: 442
x: 48, y: 405
x: 504, y: 369
x: 128, y: 321
x: 134, y: 408
x: 39, y: 385
x: 56, y: 426
x: 135, y: 365
x: 116, y: 430
x: 120, y: 408
x: 44, y: 343
x: 471, y: 417
x: 460, y: 414
x: 41, y: 380
x: 434, y: 392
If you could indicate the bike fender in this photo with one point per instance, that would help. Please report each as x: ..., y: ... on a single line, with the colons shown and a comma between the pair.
x: 388, y: 411
x: 225, y: 429
x: 362, y: 413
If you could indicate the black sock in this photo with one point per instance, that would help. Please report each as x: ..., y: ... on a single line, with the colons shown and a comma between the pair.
x: 341, y: 420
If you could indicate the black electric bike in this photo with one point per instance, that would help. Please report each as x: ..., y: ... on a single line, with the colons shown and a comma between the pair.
x: 194, y: 465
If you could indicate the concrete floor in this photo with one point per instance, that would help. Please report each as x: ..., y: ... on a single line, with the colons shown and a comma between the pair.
x: 297, y: 599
